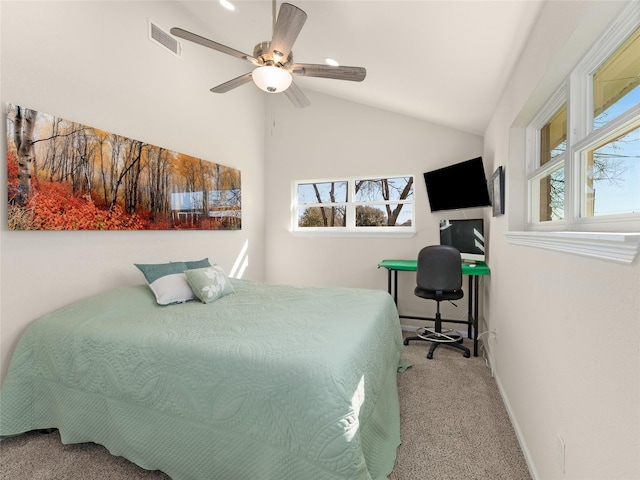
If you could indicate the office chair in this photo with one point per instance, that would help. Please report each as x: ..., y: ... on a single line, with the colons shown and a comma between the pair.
x: 439, y: 278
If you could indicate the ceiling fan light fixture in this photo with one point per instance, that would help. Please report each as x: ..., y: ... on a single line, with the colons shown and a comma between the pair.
x: 271, y: 79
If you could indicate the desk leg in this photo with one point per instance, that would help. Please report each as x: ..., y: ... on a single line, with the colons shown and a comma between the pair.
x: 470, y: 309
x: 476, y: 280
x: 392, y: 285
x: 473, y: 312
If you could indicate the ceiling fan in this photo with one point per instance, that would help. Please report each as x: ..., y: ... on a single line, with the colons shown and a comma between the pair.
x: 273, y: 59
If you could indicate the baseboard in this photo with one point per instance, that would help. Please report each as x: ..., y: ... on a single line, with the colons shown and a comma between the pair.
x: 408, y: 328
x: 512, y: 417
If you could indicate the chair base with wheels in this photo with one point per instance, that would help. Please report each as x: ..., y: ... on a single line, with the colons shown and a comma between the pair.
x: 447, y: 337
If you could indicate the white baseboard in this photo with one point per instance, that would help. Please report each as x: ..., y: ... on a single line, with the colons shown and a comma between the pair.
x: 514, y: 421
x: 408, y: 328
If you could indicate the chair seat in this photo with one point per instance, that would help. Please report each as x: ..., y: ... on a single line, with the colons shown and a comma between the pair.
x: 438, y: 295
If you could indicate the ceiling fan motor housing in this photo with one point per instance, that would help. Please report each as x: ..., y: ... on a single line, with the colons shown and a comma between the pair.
x: 263, y: 53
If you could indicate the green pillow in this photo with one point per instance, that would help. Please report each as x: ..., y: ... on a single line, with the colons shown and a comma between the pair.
x: 198, y: 264
x: 167, y: 282
x: 209, y: 283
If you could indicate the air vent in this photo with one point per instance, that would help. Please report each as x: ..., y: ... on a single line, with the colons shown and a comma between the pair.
x: 165, y: 40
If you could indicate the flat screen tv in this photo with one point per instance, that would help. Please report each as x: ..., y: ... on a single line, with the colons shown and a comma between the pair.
x: 462, y: 185
x: 466, y: 235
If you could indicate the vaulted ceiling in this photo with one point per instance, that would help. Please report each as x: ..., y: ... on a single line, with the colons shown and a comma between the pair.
x: 443, y: 61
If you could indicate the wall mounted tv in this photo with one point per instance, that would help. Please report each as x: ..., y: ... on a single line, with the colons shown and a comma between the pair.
x: 462, y: 185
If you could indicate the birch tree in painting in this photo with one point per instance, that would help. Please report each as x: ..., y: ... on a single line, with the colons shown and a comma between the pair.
x: 24, y: 124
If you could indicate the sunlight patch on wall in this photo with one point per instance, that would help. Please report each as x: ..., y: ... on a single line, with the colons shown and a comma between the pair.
x: 241, y: 263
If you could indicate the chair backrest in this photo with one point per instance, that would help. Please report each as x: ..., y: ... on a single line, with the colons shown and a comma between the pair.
x: 439, y: 268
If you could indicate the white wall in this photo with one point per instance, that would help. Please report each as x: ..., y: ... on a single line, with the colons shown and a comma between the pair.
x: 332, y: 139
x: 568, y: 353
x: 92, y: 62
x: 568, y: 358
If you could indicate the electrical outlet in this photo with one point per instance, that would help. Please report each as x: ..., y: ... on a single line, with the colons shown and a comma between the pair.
x: 560, y: 454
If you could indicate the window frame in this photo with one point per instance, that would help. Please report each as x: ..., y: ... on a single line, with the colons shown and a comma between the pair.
x: 535, y: 171
x: 612, y: 239
x: 350, y: 229
x: 577, y: 92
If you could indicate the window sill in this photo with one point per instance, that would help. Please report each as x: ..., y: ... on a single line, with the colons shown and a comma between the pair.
x: 352, y: 233
x: 613, y: 247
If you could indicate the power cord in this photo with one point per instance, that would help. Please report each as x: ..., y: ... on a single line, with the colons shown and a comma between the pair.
x: 486, y: 333
x: 484, y: 352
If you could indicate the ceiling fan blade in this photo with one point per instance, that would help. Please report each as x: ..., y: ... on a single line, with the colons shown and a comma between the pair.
x: 297, y: 97
x: 288, y: 25
x: 354, y: 74
x: 231, y: 84
x: 192, y: 37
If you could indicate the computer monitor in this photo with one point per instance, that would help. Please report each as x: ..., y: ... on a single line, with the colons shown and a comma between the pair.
x: 466, y: 235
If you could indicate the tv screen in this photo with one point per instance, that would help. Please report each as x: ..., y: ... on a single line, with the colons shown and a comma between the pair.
x: 466, y: 235
x: 462, y: 185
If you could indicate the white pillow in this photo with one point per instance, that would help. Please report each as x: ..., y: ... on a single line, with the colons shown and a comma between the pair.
x: 209, y: 283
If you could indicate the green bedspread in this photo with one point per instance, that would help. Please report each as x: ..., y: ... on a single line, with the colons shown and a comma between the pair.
x: 272, y: 382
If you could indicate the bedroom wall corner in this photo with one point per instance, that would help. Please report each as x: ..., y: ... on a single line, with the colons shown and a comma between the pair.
x: 92, y: 62
x: 335, y: 138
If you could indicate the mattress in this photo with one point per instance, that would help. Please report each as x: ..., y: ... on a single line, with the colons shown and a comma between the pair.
x: 271, y: 382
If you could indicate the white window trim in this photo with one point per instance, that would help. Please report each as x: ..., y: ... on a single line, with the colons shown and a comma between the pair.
x: 395, y: 232
x: 597, y: 240
x: 343, y: 232
x: 623, y: 248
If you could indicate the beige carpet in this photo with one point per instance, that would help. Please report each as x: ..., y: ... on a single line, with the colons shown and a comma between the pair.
x: 453, y: 423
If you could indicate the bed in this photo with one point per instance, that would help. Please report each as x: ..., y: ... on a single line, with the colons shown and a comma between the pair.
x: 271, y: 382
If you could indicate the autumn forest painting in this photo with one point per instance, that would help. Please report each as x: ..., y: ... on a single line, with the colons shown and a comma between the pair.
x: 63, y: 175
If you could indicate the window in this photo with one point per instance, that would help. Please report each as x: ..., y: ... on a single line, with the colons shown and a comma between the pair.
x: 553, y: 136
x: 362, y: 204
x: 322, y: 204
x: 616, y: 82
x: 589, y: 180
x: 610, y: 182
x: 547, y: 185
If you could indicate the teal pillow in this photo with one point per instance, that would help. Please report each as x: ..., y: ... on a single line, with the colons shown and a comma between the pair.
x: 198, y: 264
x: 209, y: 283
x: 167, y: 282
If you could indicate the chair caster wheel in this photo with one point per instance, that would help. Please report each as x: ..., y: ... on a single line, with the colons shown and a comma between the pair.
x: 466, y: 355
x: 406, y: 341
x: 430, y: 356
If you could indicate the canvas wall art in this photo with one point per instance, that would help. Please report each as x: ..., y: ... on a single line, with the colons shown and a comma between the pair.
x: 63, y: 175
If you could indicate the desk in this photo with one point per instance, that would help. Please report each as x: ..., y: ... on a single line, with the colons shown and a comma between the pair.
x: 474, y: 273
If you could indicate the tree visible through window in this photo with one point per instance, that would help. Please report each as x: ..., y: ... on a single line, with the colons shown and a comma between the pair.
x: 553, y: 147
x: 355, y: 203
